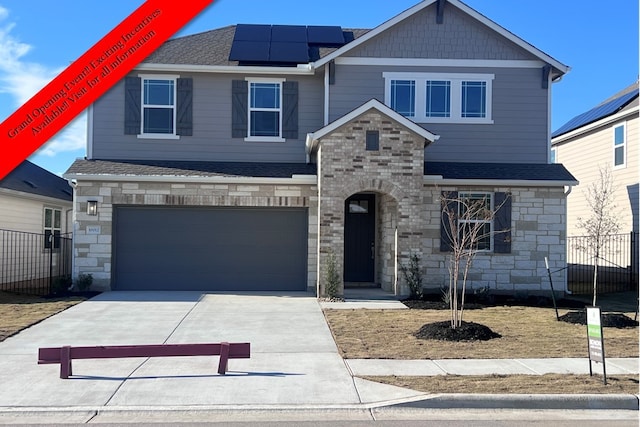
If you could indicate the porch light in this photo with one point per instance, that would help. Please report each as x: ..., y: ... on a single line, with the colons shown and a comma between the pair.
x: 92, y: 207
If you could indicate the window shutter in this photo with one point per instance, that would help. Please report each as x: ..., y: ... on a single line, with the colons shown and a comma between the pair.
x: 132, y: 99
x: 450, y: 198
x: 184, y: 115
x: 290, y: 110
x: 502, y: 224
x: 239, y: 100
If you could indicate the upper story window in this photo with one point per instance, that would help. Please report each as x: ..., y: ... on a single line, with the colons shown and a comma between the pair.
x: 52, y: 228
x: 159, y: 106
x: 265, y: 110
x: 440, y: 97
x: 619, y: 146
x: 554, y: 155
x: 403, y: 97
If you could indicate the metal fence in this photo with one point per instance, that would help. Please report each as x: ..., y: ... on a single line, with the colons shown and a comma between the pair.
x: 617, y: 264
x: 34, y: 263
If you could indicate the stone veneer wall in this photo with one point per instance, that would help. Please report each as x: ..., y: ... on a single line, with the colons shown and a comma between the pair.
x: 538, y: 229
x: 93, y: 251
x: 394, y: 172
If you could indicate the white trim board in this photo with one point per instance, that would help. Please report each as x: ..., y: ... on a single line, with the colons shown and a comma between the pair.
x: 426, y: 62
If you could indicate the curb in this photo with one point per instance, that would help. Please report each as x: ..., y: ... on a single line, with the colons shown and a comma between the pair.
x: 526, y: 401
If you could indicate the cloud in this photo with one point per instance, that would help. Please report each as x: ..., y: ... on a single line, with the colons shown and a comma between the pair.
x: 22, y: 79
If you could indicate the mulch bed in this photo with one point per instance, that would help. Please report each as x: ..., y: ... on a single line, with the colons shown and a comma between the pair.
x: 468, y: 331
x: 610, y: 320
x: 477, y: 302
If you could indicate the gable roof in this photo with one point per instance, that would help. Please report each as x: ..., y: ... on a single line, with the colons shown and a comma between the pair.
x: 557, y: 65
x: 32, y: 179
x: 373, y: 104
x: 605, y: 109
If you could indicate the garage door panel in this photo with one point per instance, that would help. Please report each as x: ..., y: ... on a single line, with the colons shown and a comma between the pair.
x: 210, y: 248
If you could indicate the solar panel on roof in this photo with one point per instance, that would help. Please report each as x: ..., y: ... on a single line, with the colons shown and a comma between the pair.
x: 250, y: 32
x: 326, y: 36
x: 289, y: 52
x: 250, y: 51
x: 282, y: 44
x: 289, y: 33
x: 596, y: 113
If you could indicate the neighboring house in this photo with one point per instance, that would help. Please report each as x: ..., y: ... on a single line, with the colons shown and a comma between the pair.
x: 34, y: 204
x: 240, y: 158
x: 603, y: 138
x: 606, y: 136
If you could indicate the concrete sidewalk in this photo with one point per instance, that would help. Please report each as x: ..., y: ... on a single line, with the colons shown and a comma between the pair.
x: 419, y: 368
x: 294, y: 364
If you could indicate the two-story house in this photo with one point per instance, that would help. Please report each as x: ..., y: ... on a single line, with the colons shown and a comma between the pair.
x: 240, y: 158
x: 603, y: 138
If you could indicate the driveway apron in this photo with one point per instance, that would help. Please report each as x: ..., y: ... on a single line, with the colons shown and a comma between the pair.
x: 294, y: 360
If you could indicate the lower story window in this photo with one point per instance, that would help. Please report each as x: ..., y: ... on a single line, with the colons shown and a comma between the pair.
x: 474, y: 220
x: 52, y: 228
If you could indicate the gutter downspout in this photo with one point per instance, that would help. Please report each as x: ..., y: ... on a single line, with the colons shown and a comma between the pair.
x: 73, y: 185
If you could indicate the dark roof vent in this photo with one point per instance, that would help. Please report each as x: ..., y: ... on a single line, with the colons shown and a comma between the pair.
x: 29, y: 183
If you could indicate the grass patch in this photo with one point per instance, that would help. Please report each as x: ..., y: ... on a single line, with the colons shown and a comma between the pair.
x: 516, y: 384
x: 527, y: 332
x: 18, y: 312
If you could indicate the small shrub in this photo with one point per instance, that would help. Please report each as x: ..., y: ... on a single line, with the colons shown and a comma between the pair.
x: 61, y: 284
x: 413, y: 276
x: 84, y: 281
x: 333, y: 277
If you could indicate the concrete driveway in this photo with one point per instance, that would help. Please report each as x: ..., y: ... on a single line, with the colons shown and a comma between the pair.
x: 294, y: 360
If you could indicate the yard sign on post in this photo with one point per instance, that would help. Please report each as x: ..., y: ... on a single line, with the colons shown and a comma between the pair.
x: 596, y: 340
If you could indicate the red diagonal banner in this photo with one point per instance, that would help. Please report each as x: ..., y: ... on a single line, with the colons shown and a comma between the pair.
x: 95, y: 72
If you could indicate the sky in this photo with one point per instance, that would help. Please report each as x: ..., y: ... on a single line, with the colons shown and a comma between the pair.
x: 39, y: 38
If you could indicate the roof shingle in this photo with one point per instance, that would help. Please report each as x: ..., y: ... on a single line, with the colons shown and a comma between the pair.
x: 32, y: 179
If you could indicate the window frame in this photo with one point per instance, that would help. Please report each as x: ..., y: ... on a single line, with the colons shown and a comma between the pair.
x: 455, y: 95
x: 250, y: 109
x: 622, y: 146
x: 166, y: 77
x: 466, y: 195
x: 52, y: 229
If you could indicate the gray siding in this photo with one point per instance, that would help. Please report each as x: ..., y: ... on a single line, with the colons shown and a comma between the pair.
x: 211, y: 140
x: 518, y: 134
x: 458, y: 37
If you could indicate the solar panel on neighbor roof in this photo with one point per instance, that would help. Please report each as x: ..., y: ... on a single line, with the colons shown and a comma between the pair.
x: 249, y: 51
x: 289, y: 52
x: 323, y: 35
x: 596, y: 113
x: 289, y: 33
x: 251, y: 32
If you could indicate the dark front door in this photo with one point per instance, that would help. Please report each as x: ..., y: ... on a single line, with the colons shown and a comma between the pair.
x: 359, y: 238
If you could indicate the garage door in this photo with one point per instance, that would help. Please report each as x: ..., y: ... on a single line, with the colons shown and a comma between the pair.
x: 217, y: 249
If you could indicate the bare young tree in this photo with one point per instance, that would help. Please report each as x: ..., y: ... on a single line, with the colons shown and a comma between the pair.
x: 467, y: 220
x: 603, y: 221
